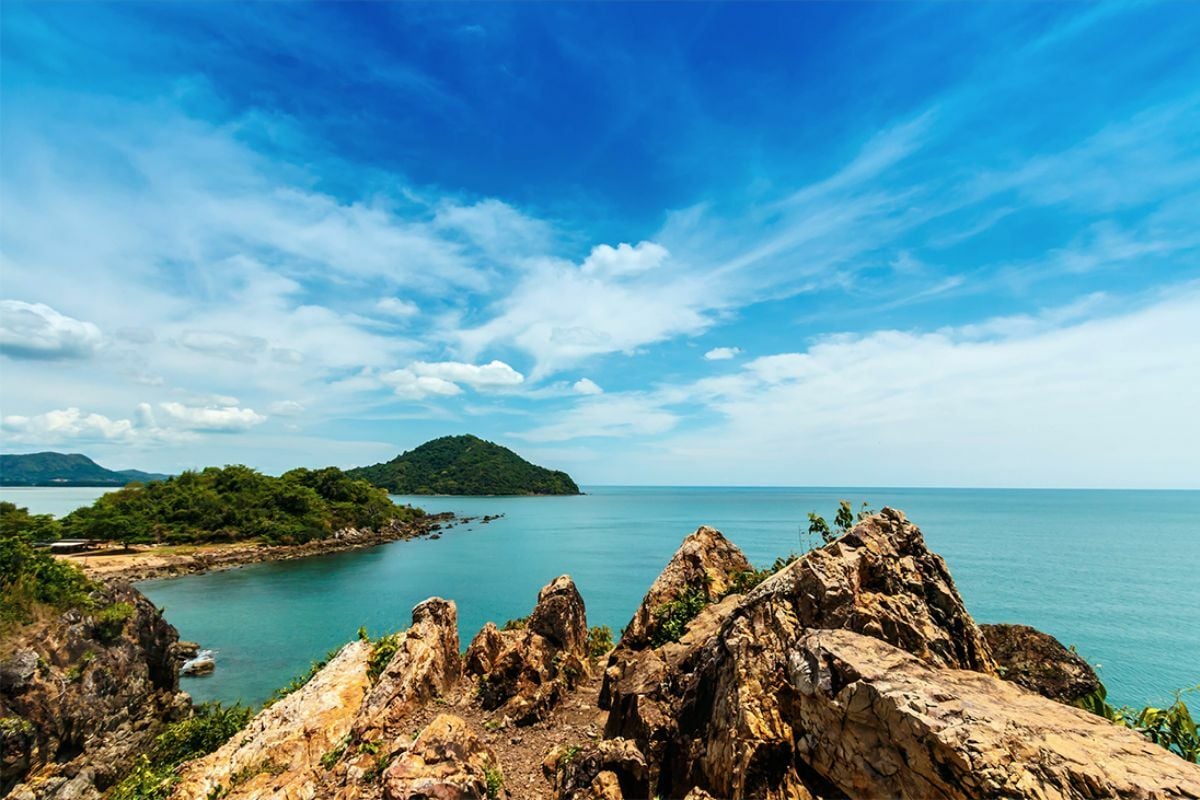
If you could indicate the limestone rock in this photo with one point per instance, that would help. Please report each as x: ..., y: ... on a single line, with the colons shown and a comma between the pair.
x: 877, y: 722
x: 79, y: 700
x: 609, y: 768
x: 278, y: 755
x: 446, y: 762
x: 1040, y: 663
x: 426, y: 664
x: 706, y: 560
x: 522, y: 674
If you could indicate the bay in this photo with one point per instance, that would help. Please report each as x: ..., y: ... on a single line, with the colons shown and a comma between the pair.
x: 1111, y: 572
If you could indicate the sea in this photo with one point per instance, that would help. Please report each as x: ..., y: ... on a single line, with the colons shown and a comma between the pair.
x: 1115, y: 574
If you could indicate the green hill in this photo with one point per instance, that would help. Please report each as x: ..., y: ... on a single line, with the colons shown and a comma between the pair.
x: 464, y: 465
x: 63, y: 469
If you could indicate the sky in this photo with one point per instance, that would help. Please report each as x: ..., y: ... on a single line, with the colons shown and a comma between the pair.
x: 718, y: 244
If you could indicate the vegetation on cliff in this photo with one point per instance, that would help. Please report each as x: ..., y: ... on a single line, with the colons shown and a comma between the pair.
x: 31, y: 578
x: 464, y: 465
x: 64, y: 469
x: 236, y: 502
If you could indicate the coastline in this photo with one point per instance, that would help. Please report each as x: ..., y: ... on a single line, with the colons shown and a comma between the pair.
x: 169, y: 561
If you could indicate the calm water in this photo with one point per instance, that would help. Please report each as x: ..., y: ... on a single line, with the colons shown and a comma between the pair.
x: 1112, y: 572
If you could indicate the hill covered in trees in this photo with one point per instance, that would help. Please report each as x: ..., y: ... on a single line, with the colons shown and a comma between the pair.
x: 64, y: 469
x: 464, y: 465
x: 222, y: 504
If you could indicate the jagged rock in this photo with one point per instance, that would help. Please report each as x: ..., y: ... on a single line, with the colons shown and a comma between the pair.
x: 522, y: 674
x: 877, y: 722
x: 1040, y: 663
x: 446, y: 762
x: 706, y: 561
x: 609, y: 768
x: 709, y: 710
x: 80, y: 700
x: 279, y: 752
x: 426, y: 664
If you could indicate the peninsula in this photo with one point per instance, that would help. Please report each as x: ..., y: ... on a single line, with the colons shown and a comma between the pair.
x: 465, y: 465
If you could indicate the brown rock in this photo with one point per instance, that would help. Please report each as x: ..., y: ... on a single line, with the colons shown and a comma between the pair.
x: 523, y: 674
x: 446, y: 762
x: 280, y: 749
x: 602, y: 769
x: 877, y: 722
x: 426, y: 664
x: 706, y: 561
x: 1040, y: 663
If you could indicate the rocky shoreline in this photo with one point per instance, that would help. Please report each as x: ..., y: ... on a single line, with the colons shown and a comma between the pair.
x: 140, y: 565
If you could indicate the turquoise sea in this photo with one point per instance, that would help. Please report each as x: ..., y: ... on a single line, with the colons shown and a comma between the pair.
x: 1114, y: 573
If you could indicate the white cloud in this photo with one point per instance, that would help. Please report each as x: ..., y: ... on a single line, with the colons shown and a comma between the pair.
x: 722, y: 353
x: 223, y: 344
x: 493, y: 375
x: 286, y: 408
x: 586, y: 386
x: 395, y: 307
x: 220, y: 419
x: 37, y: 331
x: 410, y: 386
x: 70, y: 425
x: 606, y: 416
x: 624, y: 259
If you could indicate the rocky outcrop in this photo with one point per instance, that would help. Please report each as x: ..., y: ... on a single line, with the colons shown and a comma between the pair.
x: 427, y: 663
x: 279, y: 752
x: 706, y: 562
x: 446, y: 762
x: 1040, y: 663
x: 522, y: 674
x: 725, y: 708
x: 82, y: 693
x: 874, y: 721
x: 608, y: 768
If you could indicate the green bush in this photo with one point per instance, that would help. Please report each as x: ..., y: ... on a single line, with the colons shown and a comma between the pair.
x: 599, y: 641
x: 517, y: 624
x: 1172, y: 727
x: 29, y: 578
x: 673, y: 617
x: 381, y: 653
x: 110, y: 621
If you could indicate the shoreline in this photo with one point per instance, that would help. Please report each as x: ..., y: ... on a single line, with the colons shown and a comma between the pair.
x: 115, y: 565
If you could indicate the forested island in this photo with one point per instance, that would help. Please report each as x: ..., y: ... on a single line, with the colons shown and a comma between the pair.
x: 465, y: 465
x: 65, y: 469
x: 221, y: 504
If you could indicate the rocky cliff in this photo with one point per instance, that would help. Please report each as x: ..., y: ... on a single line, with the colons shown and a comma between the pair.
x: 855, y: 671
x: 82, y: 693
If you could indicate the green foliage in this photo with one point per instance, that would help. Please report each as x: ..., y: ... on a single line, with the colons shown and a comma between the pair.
x: 381, y: 653
x: 17, y: 521
x: 110, y: 621
x: 517, y: 624
x: 464, y: 465
x: 236, y: 502
x: 746, y: 580
x: 31, y: 578
x: 843, y: 521
x: 599, y: 641
x: 208, y: 728
x: 495, y: 781
x: 335, y: 755
x: 1172, y: 727
x: 673, y: 617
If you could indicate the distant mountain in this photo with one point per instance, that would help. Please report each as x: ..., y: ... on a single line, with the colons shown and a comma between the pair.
x: 63, y: 469
x: 464, y: 465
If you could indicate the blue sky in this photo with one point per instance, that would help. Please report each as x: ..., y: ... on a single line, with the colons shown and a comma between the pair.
x: 778, y: 244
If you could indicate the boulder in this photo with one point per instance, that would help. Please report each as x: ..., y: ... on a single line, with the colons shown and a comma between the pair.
x: 279, y: 752
x: 446, y: 762
x: 523, y: 674
x: 875, y: 721
x: 427, y: 663
x: 1040, y: 663
x: 608, y: 768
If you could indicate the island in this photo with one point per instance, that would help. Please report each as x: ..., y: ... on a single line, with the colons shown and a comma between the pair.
x: 464, y: 465
x: 65, y: 469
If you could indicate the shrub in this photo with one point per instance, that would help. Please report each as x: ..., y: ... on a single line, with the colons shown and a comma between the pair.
x: 495, y: 781
x: 517, y: 624
x: 673, y: 617
x: 599, y: 641
x: 384, y: 648
x: 111, y: 621
x: 1172, y: 727
x: 29, y: 578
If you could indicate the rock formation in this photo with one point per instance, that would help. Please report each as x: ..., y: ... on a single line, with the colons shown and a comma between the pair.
x: 1040, y: 663
x: 81, y: 694
x: 522, y: 674
x: 446, y: 762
